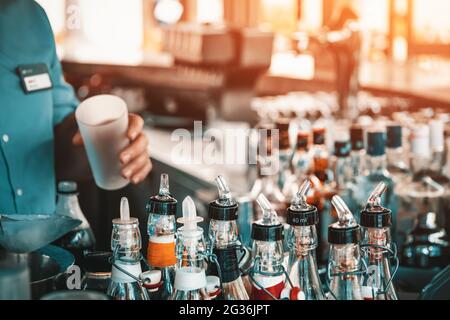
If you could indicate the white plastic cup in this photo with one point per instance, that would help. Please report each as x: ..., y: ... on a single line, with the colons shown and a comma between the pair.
x: 103, y: 124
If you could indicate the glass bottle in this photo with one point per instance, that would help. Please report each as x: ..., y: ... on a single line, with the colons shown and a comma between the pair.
x: 267, y: 274
x: 268, y: 166
x: 376, y: 222
x: 80, y: 240
x: 358, y: 152
x: 344, y: 267
x: 224, y: 237
x: 395, y: 153
x: 161, y: 228
x: 126, y: 244
x: 302, y: 243
x: 320, y: 153
x: 190, y: 277
x: 302, y: 160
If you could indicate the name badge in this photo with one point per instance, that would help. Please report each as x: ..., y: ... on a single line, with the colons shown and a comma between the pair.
x: 34, y: 77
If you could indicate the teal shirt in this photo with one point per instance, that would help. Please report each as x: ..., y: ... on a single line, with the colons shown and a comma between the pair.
x: 27, y: 172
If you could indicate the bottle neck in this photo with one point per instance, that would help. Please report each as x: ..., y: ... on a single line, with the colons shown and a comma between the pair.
x: 342, y: 171
x: 376, y: 165
x: 68, y: 205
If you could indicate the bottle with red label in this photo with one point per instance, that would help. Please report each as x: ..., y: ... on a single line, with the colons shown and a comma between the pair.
x: 302, y: 243
x: 267, y: 274
x: 344, y: 271
x: 161, y: 228
x: 378, y: 250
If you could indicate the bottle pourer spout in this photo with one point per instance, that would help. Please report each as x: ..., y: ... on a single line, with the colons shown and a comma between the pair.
x: 269, y: 214
x: 224, y: 192
x: 300, y: 198
x: 345, y: 216
x: 124, y: 209
x: 164, y: 185
x: 189, y: 218
x: 375, y: 197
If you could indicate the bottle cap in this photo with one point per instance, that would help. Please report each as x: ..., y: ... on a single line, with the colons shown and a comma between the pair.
x: 346, y: 230
x: 190, y: 278
x: 268, y: 228
x: 163, y: 203
x: 374, y: 214
x: 394, y: 136
x: 224, y: 208
x: 303, y: 140
x: 357, y: 137
x: 300, y: 213
x: 437, y: 134
x: 319, y: 135
x: 420, y: 140
x: 125, y: 214
x: 189, y: 218
x: 342, y: 149
x: 67, y: 187
x: 376, y: 143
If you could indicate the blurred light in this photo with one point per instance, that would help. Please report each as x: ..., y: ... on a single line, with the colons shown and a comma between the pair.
x: 311, y: 14
x: 55, y: 11
x: 168, y: 11
x: 400, y: 51
x: 431, y: 21
x: 296, y: 66
x: 209, y: 11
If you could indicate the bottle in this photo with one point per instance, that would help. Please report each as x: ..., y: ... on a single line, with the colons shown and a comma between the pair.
x: 358, y: 152
x: 81, y: 240
x: 320, y: 153
x: 437, y: 146
x: 161, y: 228
x: 224, y: 237
x: 126, y: 244
x: 302, y: 160
x: 268, y: 167
x: 190, y: 277
x: 395, y: 153
x: 344, y: 267
x: 376, y: 235
x: 302, y: 243
x: 97, y: 274
x: 267, y: 274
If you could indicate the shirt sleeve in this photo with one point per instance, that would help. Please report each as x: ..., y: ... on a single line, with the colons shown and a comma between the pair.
x: 64, y: 99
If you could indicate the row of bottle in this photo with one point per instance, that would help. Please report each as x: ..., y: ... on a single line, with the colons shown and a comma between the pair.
x: 183, y: 265
x: 360, y: 157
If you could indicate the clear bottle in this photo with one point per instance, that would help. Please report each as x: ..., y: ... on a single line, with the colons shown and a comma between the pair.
x: 224, y: 237
x: 126, y: 244
x: 320, y: 153
x: 190, y: 276
x: 81, y: 240
x: 302, y: 243
x: 302, y: 160
x: 376, y: 222
x: 267, y: 274
x: 268, y: 166
x: 395, y: 153
x: 344, y: 266
x: 358, y: 152
x: 161, y: 228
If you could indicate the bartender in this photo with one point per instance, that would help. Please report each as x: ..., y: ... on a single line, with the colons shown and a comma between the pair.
x: 36, y: 116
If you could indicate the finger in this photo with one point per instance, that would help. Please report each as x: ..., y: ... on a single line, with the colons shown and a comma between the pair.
x: 134, y: 166
x: 77, y: 139
x: 143, y: 172
x: 136, y: 148
x: 135, y: 125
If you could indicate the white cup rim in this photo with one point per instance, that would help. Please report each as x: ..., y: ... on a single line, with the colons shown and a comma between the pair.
x: 88, y: 100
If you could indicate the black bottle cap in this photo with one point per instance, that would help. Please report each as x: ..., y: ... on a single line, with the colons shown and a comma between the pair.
x: 319, y: 136
x: 342, y: 148
x: 262, y: 232
x: 378, y: 217
x: 357, y: 137
x: 223, y: 213
x: 166, y: 207
x: 344, y: 235
x: 394, y: 136
x: 376, y: 143
x: 228, y: 262
x: 302, y: 218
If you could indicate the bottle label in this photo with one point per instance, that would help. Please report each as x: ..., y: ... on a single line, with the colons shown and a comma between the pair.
x: 121, y: 277
x: 274, y: 285
x: 161, y: 252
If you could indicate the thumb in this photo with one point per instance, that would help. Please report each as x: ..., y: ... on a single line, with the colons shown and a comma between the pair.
x: 77, y: 140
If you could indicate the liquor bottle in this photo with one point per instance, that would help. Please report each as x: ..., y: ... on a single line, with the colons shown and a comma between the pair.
x: 267, y: 274
x: 190, y: 276
x: 268, y: 167
x: 378, y: 249
x: 344, y: 267
x: 80, y: 240
x: 126, y: 244
x: 358, y: 152
x: 437, y: 147
x: 224, y: 237
x: 395, y: 153
x: 161, y: 228
x: 302, y: 243
x: 320, y: 153
x: 302, y: 160
x: 285, y: 153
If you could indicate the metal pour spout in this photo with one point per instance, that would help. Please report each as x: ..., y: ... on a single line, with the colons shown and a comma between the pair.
x: 224, y: 192
x: 164, y: 185
x: 375, y: 197
x: 269, y: 215
x: 299, y: 201
x: 346, y: 218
